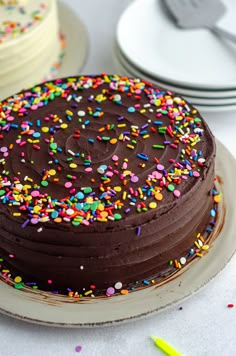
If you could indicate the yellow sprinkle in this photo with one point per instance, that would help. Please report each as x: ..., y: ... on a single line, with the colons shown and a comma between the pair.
x: 146, y: 136
x: 152, y: 205
x: 52, y: 172
x: 37, y: 209
x: 73, y: 165
x: 101, y: 220
x: 89, y: 200
x: 121, y: 125
x: 199, y: 254
x: 16, y: 214
x: 45, y: 129
x: 142, y: 111
x: 88, y: 292
x: 17, y: 279
x: 196, y: 243
x: 124, y: 195
x: 63, y: 126
x: 26, y: 187
x: 205, y: 247
x: 68, y: 112
x: 117, y: 188
x: 126, y: 173
x: 157, y: 102
x: 130, y: 146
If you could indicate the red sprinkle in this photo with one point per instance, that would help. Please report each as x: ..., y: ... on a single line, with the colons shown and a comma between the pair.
x: 230, y: 305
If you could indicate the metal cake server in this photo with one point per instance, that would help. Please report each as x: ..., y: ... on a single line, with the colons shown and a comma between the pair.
x: 199, y: 13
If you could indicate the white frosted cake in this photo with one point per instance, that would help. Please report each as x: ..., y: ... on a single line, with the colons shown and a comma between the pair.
x: 29, y: 43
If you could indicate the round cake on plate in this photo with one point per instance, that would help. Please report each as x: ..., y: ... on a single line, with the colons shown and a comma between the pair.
x: 29, y: 43
x: 106, y: 185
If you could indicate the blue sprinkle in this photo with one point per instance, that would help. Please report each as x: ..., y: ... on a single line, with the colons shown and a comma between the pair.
x: 54, y: 214
x: 213, y: 213
x: 131, y: 109
x: 80, y: 195
x: 36, y: 134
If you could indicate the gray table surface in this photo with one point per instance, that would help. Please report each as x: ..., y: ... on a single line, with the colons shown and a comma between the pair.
x: 205, y: 326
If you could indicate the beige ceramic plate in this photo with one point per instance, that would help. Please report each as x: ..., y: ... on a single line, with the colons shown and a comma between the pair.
x: 76, y: 41
x: 44, y: 308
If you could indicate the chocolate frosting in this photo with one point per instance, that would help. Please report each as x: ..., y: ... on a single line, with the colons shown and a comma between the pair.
x: 134, y: 162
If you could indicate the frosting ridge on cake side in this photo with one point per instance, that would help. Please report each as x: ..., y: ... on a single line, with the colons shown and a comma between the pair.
x: 29, y: 44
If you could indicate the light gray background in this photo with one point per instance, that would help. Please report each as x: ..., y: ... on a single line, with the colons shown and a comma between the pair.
x: 204, y: 327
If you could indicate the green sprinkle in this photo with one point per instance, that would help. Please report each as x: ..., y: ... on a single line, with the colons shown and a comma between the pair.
x: 44, y: 183
x: 19, y: 285
x: 158, y: 146
x: 170, y: 187
x: 53, y: 146
x: 117, y: 217
x: 75, y: 223
x: 2, y: 192
x: 87, y: 190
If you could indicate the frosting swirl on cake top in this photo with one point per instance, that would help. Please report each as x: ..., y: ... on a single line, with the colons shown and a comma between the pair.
x: 98, y: 149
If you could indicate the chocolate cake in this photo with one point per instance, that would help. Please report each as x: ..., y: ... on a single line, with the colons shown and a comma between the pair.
x: 107, y: 184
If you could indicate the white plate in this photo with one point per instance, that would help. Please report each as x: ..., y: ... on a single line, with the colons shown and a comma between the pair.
x: 48, y: 309
x: 124, y: 65
x: 190, y: 58
x: 200, y: 104
x: 75, y: 52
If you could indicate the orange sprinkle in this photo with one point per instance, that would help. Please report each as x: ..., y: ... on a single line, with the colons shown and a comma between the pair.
x: 124, y: 291
x: 217, y: 198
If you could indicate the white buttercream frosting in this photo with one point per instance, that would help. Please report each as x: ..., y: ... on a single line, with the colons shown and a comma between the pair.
x: 29, y: 43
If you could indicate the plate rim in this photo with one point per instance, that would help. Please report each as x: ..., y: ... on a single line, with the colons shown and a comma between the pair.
x: 124, y: 63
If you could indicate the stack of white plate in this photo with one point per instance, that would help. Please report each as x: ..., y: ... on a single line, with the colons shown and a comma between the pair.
x: 193, y: 63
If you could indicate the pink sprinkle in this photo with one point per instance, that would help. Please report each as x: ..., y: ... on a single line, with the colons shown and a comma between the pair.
x: 196, y: 174
x: 157, y: 175
x: 3, y: 149
x: 10, y: 118
x: 160, y: 167
x: 78, y: 348
x: 110, y: 291
x: 34, y: 107
x: 176, y: 193
x: 89, y: 169
x: 49, y: 281
x: 34, y: 221
x: 115, y: 158
x: 134, y: 179
x: 35, y: 193
x: 11, y: 255
x: 68, y: 184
